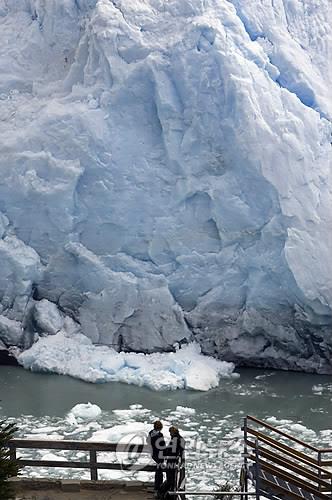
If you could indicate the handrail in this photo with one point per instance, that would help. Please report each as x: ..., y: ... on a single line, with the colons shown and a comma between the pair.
x: 272, y: 469
x: 284, y: 434
x: 291, y: 455
x: 327, y: 463
x: 287, y: 449
x: 285, y: 462
x: 294, y: 468
x: 273, y: 486
x: 325, y: 450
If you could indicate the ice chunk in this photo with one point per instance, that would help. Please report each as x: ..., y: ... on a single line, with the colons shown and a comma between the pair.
x: 48, y: 317
x: 10, y: 331
x: 134, y: 410
x: 275, y: 421
x: 75, y: 355
x: 52, y: 457
x: 45, y: 430
x: 184, y: 410
x: 301, y: 429
x: 86, y: 411
x: 133, y: 432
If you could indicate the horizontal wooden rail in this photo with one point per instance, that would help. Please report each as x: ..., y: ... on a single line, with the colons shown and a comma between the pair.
x: 88, y: 446
x: 44, y: 444
x: 84, y: 465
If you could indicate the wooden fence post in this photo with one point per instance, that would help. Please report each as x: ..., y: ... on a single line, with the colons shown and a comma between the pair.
x: 93, y: 465
x: 12, y: 452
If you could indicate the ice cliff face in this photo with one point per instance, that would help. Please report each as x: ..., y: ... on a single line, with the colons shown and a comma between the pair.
x: 166, y: 174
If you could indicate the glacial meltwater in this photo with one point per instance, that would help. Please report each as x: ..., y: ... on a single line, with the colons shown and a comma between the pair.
x: 210, y: 421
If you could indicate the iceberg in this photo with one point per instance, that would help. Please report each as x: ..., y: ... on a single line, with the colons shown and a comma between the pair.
x: 75, y: 355
x: 166, y: 179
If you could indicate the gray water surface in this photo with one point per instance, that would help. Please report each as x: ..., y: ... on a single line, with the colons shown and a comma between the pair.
x: 257, y: 392
x: 297, y: 403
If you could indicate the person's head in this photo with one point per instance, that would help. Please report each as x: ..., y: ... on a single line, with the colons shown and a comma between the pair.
x: 157, y: 425
x: 174, y: 431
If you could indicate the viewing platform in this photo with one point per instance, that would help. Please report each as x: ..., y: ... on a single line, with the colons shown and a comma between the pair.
x: 66, y: 489
x: 275, y: 465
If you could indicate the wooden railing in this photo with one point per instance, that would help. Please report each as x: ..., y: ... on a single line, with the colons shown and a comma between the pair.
x: 92, y: 448
x: 287, y: 458
x: 275, y: 454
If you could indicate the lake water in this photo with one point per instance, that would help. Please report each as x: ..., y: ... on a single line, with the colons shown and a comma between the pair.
x: 210, y: 421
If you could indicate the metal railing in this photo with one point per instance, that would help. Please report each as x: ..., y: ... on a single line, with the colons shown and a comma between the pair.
x: 277, y: 454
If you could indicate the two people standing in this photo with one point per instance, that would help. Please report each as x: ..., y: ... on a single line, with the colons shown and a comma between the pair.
x: 166, y: 458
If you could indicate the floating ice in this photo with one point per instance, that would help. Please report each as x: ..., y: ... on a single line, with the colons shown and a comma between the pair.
x: 301, y: 429
x: 133, y: 432
x: 51, y: 456
x: 185, y: 410
x: 277, y: 421
x: 86, y: 411
x: 214, y: 453
x: 76, y: 356
x: 45, y: 430
x: 134, y: 410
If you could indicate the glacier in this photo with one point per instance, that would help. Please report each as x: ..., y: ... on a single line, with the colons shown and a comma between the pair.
x: 166, y: 178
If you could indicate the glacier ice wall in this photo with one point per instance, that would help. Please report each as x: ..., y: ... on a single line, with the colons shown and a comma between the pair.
x: 166, y: 175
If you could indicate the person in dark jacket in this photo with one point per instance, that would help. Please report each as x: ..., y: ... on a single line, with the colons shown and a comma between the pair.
x: 157, y: 444
x: 174, y: 453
